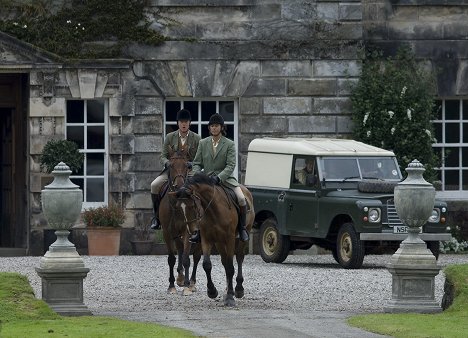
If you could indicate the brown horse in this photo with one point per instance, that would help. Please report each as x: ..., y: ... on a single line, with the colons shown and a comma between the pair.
x: 175, y: 230
x: 210, y: 209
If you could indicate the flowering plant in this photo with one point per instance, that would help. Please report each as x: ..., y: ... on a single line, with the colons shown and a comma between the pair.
x: 106, y: 216
x: 393, y: 105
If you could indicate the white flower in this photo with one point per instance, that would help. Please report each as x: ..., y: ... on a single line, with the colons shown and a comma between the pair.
x: 428, y: 132
x: 390, y: 113
x: 408, y: 113
x: 15, y: 24
x: 403, y: 91
x: 368, y: 133
x: 25, y: 26
x: 392, y: 130
x: 68, y: 21
x: 365, y: 118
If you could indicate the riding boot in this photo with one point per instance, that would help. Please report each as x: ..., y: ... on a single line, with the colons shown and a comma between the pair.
x: 243, y: 234
x: 155, y: 224
x: 195, y: 238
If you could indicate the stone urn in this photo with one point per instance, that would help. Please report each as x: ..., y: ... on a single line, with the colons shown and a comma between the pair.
x: 413, y: 266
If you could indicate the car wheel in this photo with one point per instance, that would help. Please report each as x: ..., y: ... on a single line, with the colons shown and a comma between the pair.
x: 434, y: 247
x: 349, y: 248
x: 335, y: 255
x: 274, y: 247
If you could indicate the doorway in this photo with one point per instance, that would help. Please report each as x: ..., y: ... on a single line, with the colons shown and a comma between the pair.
x: 13, y: 166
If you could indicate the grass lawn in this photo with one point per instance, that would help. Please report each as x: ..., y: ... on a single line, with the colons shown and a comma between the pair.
x: 453, y: 322
x: 23, y: 315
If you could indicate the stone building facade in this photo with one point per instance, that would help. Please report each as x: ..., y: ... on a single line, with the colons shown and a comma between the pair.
x: 274, y: 68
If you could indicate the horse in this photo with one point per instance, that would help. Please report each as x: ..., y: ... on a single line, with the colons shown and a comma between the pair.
x: 174, y: 228
x: 209, y: 208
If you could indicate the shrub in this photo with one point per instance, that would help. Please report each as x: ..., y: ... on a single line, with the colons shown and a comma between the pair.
x: 106, y: 216
x: 393, y: 106
x: 56, y: 151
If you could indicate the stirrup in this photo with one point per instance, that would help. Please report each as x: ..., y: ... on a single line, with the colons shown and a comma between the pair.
x: 244, y: 235
x: 195, y: 238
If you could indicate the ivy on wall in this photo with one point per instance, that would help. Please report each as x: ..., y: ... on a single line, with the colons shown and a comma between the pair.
x: 393, y: 106
x: 85, y: 29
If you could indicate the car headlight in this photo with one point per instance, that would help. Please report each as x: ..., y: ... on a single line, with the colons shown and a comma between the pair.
x: 435, y: 216
x: 374, y: 215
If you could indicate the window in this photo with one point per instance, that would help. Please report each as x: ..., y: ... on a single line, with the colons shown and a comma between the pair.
x: 86, y: 125
x: 451, y: 133
x: 201, y: 111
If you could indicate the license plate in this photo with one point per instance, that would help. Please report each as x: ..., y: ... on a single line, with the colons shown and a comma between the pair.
x: 402, y: 229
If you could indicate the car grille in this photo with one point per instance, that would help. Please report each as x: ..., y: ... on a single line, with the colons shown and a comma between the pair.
x: 392, y: 218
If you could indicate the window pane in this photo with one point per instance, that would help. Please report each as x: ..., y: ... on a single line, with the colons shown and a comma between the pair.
x: 452, y: 133
x: 95, y: 111
x: 192, y: 107
x: 451, y: 157
x: 465, y: 109
x: 464, y: 157
x: 95, y: 164
x: 438, y: 132
x: 95, y: 190
x: 438, y: 154
x: 452, y: 109
x: 465, y: 180
x: 465, y: 133
x: 75, y: 111
x: 170, y: 128
x: 226, y: 109
x: 208, y: 109
x: 95, y: 137
x: 452, y: 180
x: 76, y: 134
x: 172, y: 107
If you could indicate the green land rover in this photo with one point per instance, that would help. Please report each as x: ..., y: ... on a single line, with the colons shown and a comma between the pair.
x: 334, y: 193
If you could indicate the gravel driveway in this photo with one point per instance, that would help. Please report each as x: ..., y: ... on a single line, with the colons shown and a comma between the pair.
x: 304, y: 286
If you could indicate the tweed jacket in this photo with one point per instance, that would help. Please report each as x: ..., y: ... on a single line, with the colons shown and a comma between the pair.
x: 222, y: 163
x: 172, y: 141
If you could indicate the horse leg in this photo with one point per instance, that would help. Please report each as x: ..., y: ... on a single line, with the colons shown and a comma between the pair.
x: 211, y: 289
x: 228, y: 264
x: 171, y: 262
x: 180, y: 269
x: 186, y: 263
x: 240, y: 277
x: 193, y: 278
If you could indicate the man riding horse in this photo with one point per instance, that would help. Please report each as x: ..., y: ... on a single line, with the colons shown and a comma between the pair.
x: 216, y: 155
x: 179, y: 140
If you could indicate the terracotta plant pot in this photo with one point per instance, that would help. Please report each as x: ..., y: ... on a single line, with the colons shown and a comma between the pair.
x: 103, y: 241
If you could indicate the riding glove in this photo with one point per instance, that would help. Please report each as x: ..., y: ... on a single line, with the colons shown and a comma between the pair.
x: 215, y: 179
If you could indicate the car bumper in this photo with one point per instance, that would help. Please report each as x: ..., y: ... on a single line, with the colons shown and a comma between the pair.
x: 400, y: 237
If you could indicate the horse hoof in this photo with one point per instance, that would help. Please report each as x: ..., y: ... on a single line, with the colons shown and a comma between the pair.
x: 239, y: 293
x: 187, y: 291
x: 172, y: 291
x: 193, y: 288
x: 180, y: 281
x: 229, y: 300
x: 212, y: 294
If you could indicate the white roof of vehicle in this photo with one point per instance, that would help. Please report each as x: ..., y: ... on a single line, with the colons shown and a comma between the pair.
x: 316, y: 147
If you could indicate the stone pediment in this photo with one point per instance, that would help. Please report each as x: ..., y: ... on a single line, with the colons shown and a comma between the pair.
x: 14, y: 52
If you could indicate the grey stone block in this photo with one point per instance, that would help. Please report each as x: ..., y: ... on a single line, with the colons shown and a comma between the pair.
x: 122, y: 106
x: 415, y: 30
x: 312, y: 124
x: 287, y: 105
x: 161, y: 76
x: 249, y: 105
x: 344, y: 125
x: 139, y: 200
x: 223, y: 74
x: 350, y: 12
x: 345, y: 86
x: 201, y: 77
x: 122, y: 182
x: 266, y: 124
x: 243, y: 75
x: 334, y: 105
x: 121, y: 144
x: 328, y: 11
x: 336, y: 68
x: 286, y: 68
x: 180, y: 72
x: 143, y: 179
x: 147, y: 143
x: 148, y: 106
x: 147, y: 124
x: 312, y: 87
x: 266, y: 87
x: 142, y: 162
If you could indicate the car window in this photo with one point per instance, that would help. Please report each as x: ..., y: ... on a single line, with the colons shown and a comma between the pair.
x: 340, y: 168
x: 379, y: 168
x: 305, y: 172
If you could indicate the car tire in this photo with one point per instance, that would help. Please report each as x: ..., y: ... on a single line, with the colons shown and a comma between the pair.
x: 274, y: 247
x: 350, y: 249
x: 434, y: 247
x: 376, y: 186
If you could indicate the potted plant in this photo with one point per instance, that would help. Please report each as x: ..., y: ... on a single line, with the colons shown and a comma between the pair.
x: 103, y: 226
x: 142, y: 244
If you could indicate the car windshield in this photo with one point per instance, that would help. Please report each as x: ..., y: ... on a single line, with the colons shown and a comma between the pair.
x: 356, y: 168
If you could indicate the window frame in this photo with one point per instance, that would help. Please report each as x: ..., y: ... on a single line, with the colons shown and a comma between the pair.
x: 84, y: 176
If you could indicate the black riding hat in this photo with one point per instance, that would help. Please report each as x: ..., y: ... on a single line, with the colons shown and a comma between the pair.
x: 183, y: 114
x: 216, y: 119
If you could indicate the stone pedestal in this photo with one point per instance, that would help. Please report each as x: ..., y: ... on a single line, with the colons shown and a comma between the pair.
x: 62, y: 271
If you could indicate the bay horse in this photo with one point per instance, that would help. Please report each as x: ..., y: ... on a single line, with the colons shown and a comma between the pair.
x: 210, y: 209
x: 174, y: 228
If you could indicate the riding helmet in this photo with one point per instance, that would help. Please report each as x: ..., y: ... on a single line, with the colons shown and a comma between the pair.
x: 183, y: 114
x: 216, y: 119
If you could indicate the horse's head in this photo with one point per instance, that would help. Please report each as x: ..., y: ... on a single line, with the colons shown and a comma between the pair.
x: 179, y: 166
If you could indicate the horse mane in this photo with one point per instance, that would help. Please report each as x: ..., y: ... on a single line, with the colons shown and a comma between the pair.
x: 199, y: 178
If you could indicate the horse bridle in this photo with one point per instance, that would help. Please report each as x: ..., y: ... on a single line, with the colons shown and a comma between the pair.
x: 172, y: 185
x: 200, y: 211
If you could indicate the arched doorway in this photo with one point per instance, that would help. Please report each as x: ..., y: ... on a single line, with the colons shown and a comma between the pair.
x: 14, y: 218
